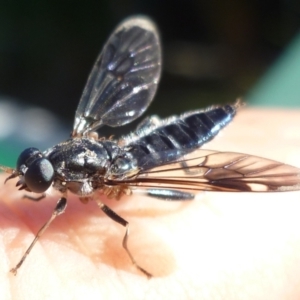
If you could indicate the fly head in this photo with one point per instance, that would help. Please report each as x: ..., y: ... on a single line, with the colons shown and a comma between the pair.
x: 36, y: 172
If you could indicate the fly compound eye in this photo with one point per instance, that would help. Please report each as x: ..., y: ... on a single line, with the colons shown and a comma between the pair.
x: 39, y: 175
x: 26, y: 156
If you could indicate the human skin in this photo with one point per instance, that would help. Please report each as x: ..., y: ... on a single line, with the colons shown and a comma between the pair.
x: 219, y: 246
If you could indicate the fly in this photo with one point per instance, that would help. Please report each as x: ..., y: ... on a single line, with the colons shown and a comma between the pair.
x: 160, y: 159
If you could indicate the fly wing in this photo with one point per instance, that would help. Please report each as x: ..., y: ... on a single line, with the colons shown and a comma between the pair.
x: 124, y: 78
x: 221, y: 171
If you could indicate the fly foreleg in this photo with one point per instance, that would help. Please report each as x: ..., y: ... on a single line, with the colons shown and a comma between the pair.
x: 58, y: 210
x: 34, y: 198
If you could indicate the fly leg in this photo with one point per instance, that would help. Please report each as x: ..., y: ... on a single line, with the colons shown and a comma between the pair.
x: 166, y: 194
x: 149, y: 122
x: 34, y: 198
x: 59, y: 209
x: 186, y: 169
x: 110, y: 213
x: 22, y: 187
x: 38, y: 198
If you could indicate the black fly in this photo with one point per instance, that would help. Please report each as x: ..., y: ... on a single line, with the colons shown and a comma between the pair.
x: 161, y: 158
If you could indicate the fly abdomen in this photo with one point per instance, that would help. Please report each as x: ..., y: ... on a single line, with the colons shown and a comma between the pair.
x: 179, y: 135
x: 205, y: 125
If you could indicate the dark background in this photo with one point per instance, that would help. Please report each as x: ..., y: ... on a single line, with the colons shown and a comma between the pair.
x: 213, y: 51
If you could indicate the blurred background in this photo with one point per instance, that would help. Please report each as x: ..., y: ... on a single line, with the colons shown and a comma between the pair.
x: 213, y: 52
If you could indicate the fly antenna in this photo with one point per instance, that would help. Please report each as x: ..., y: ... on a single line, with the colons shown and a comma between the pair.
x: 7, y: 169
x: 13, y: 172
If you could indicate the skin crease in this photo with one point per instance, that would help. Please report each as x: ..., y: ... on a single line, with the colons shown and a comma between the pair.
x: 220, y: 246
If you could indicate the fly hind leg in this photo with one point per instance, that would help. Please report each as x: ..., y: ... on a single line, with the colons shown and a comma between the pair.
x: 188, y: 171
x: 165, y: 194
x: 110, y: 213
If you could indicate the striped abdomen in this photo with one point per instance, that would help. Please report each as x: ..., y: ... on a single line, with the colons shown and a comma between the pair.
x: 180, y: 135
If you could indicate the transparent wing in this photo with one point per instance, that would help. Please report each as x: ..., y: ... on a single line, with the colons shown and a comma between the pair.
x: 124, y: 78
x: 221, y: 171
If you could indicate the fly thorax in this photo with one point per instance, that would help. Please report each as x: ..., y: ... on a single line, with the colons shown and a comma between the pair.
x: 80, y: 159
